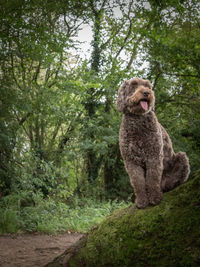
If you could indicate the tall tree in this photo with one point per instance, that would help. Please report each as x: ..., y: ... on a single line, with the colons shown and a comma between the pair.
x: 35, y: 38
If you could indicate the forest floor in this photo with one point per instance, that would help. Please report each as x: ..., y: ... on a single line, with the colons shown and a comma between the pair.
x: 32, y: 250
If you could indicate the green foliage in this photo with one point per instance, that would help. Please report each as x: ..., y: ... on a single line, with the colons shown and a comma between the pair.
x: 8, y: 221
x: 29, y: 212
x: 58, y: 122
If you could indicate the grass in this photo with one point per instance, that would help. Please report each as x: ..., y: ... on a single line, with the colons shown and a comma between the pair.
x: 26, y: 212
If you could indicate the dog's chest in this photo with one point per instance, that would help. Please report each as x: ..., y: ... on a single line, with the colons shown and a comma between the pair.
x: 140, y: 137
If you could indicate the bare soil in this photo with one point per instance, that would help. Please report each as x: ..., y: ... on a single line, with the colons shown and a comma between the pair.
x: 32, y: 250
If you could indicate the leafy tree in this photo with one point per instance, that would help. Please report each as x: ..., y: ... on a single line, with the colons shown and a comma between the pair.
x: 34, y: 53
x: 59, y: 126
x: 176, y: 71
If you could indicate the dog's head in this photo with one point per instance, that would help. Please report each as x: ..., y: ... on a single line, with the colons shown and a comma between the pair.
x: 135, y: 96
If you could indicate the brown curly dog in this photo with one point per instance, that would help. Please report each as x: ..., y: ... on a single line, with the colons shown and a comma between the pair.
x: 146, y: 148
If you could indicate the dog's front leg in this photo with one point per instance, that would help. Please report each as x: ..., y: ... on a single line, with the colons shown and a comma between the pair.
x: 137, y: 178
x: 154, y: 171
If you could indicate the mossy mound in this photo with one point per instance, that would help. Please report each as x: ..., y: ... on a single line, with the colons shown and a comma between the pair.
x: 165, y: 235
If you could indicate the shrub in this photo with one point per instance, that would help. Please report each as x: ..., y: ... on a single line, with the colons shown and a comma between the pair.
x: 29, y: 212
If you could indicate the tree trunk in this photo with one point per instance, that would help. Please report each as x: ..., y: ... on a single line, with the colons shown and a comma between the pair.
x: 92, y: 160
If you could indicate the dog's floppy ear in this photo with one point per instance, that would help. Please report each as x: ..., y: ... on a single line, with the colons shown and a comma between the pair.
x: 122, y: 94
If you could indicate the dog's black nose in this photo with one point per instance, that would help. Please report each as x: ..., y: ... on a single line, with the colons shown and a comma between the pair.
x: 146, y: 93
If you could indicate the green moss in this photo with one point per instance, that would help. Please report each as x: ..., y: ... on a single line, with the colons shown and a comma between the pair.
x: 164, y: 235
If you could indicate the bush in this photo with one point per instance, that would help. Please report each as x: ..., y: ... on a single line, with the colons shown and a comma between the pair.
x: 29, y: 212
x: 8, y: 221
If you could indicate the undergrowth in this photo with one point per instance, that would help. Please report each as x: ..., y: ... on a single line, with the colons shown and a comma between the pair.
x: 29, y: 212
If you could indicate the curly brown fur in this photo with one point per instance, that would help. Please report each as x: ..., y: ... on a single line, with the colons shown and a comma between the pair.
x: 146, y: 148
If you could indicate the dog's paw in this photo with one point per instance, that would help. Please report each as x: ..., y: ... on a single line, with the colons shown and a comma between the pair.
x: 155, y: 199
x: 142, y: 203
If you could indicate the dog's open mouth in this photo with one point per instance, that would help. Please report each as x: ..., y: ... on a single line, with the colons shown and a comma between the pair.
x: 144, y: 104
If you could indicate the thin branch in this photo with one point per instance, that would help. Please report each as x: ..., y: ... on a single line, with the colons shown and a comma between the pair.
x: 54, y: 134
x: 66, y: 136
x: 30, y: 66
x: 103, y: 4
x: 93, y: 8
x: 23, y: 70
x: 24, y: 118
x: 56, y: 72
x: 156, y: 80
x: 125, y: 39
x: 35, y: 76
x: 133, y: 54
x: 104, y: 45
x: 68, y: 26
x: 13, y: 73
x: 47, y: 75
x: 21, y: 121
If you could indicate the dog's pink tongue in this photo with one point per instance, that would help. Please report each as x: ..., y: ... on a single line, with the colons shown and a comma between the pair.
x: 144, y: 105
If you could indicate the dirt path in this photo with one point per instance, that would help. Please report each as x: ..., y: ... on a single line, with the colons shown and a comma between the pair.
x: 32, y: 250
